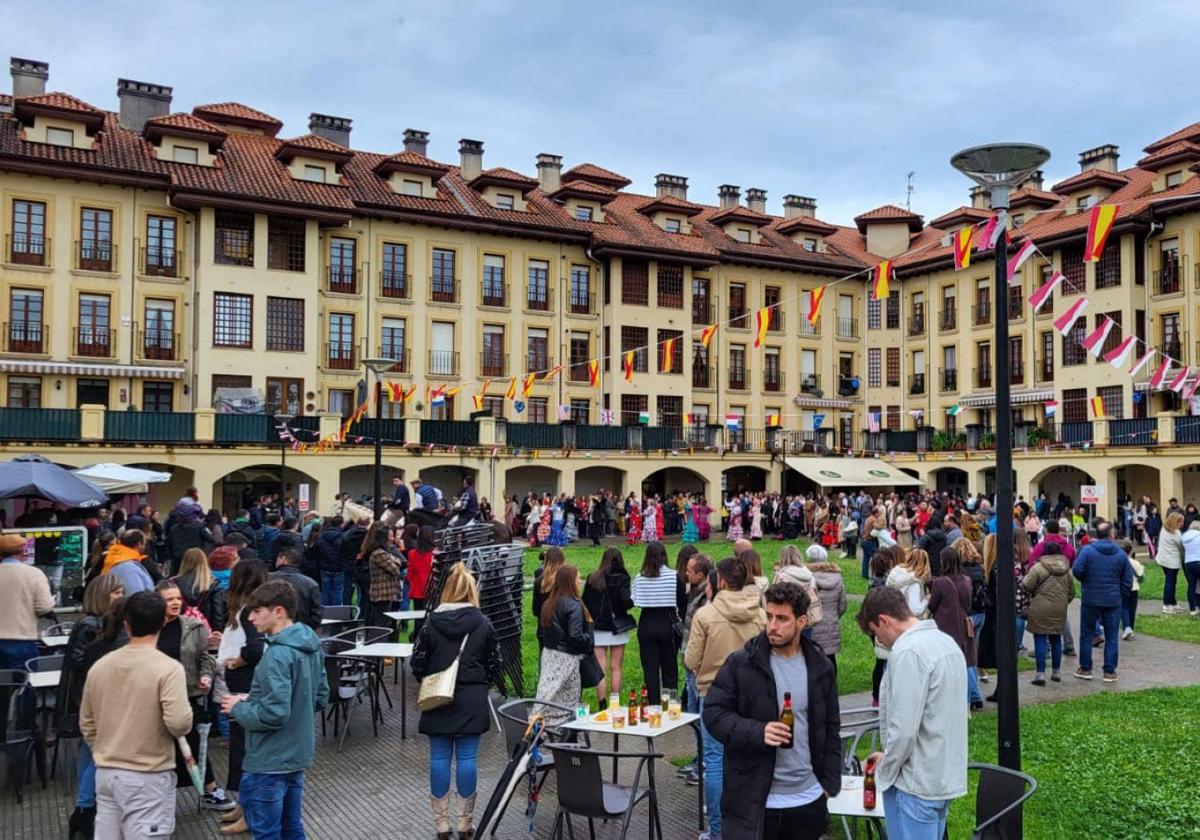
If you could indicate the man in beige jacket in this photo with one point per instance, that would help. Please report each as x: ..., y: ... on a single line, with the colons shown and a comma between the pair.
x: 724, y: 625
x: 135, y: 704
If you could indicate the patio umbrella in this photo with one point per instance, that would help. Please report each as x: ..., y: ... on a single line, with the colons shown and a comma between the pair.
x: 119, y: 480
x: 32, y: 476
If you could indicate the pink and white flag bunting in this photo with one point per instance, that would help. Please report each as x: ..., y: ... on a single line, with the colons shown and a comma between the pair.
x: 1094, y: 343
x: 1043, y: 293
x: 1180, y: 380
x: 990, y: 234
x: 1027, y: 250
x: 1142, y: 362
x: 1120, y: 354
x: 1190, y: 391
x: 1065, y: 321
x: 1160, y: 375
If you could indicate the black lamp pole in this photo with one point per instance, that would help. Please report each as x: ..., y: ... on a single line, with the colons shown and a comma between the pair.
x: 379, y: 449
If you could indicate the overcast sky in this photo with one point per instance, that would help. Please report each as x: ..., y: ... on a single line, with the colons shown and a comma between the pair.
x: 834, y: 100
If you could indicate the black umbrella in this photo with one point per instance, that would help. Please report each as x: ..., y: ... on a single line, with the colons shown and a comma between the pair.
x: 34, y: 476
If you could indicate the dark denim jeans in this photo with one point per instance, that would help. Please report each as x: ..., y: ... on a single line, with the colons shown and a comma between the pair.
x: 1170, y: 576
x: 1191, y: 571
x: 1109, y: 618
x: 332, y: 588
x: 271, y: 804
x: 14, y: 653
x: 1040, y: 643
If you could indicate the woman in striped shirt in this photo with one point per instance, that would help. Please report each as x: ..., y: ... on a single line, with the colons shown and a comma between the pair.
x: 656, y: 591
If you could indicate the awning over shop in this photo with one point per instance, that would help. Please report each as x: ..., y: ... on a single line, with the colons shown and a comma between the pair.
x: 850, y: 472
x: 1015, y: 398
x: 85, y: 369
x: 803, y: 401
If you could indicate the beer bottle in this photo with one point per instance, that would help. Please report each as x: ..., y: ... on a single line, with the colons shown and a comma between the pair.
x: 869, y: 786
x: 633, y: 708
x: 645, y: 708
x: 787, y: 717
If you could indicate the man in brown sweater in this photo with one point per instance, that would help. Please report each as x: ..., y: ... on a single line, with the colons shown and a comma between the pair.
x: 135, y: 704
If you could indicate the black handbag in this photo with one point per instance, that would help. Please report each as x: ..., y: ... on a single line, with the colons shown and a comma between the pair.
x: 590, y: 672
x: 623, y: 623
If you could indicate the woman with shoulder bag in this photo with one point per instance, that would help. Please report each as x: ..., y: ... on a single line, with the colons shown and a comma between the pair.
x: 566, y: 638
x: 456, y: 634
x: 606, y: 597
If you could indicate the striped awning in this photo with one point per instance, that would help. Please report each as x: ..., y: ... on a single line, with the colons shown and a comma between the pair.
x: 1015, y: 398
x: 820, y: 402
x: 86, y: 369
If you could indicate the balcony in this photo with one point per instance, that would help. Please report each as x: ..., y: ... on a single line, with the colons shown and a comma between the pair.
x: 775, y: 319
x: 847, y: 328
x: 150, y: 426
x: 1016, y: 308
x: 443, y: 363
x: 25, y: 337
x: 738, y: 319
x: 981, y: 314
x: 95, y: 255
x: 702, y: 313
x: 42, y: 424
x: 810, y: 383
x: 846, y: 384
x: 158, y: 345
x: 702, y: 376
x: 395, y: 351
x: 27, y: 249
x: 93, y: 342
x: 578, y: 371
x: 342, y: 279
x: 443, y: 289
x: 395, y: 285
x: 1016, y: 372
x: 948, y: 320
x: 1168, y: 280
x: 493, y: 364
x: 541, y: 362
x: 160, y: 262
x: 916, y: 323
x: 739, y: 379
x: 916, y: 384
x: 773, y: 381
x: 1043, y: 369
x: 582, y: 302
x: 341, y: 355
x: 948, y: 379
x: 538, y: 298
x: 983, y: 377
x: 1139, y: 431
x: 493, y: 293
x: 807, y: 328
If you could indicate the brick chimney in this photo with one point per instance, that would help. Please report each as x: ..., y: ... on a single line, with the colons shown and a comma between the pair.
x: 795, y: 206
x: 729, y: 195
x: 1103, y: 158
x: 28, y: 76
x: 1034, y: 181
x: 140, y: 101
x: 470, y: 158
x: 670, y: 185
x: 416, y: 141
x: 756, y: 199
x: 549, y: 171
x: 333, y: 129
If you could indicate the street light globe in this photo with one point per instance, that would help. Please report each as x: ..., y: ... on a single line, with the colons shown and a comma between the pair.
x: 1000, y: 166
x: 379, y: 366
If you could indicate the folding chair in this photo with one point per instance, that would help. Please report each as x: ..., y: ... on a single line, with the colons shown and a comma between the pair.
x: 47, y: 698
x: 21, y: 737
x: 514, y: 720
x: 372, y: 636
x: 347, y: 679
x: 1000, y: 793
x: 583, y: 792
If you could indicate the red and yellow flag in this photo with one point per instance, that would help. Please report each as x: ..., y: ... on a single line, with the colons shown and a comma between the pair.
x: 962, y: 247
x: 553, y: 372
x: 668, y: 354
x: 773, y: 421
x: 407, y: 395
x: 477, y: 399
x: 814, y: 305
x: 594, y: 372
x: 527, y: 386
x: 629, y: 366
x: 451, y: 392
x: 707, y: 335
x: 1099, y: 226
x: 883, y: 276
x: 762, y: 319
x: 395, y: 392
x: 1098, y: 407
x: 511, y: 394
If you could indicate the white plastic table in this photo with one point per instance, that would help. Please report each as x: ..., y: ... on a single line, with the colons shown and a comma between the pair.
x: 45, y: 679
x: 849, y: 804
x: 55, y: 641
x: 405, y: 615
x: 389, y: 650
x: 642, y: 730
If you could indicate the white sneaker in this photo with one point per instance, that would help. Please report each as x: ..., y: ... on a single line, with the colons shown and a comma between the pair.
x: 1194, y: 613
x: 1127, y: 634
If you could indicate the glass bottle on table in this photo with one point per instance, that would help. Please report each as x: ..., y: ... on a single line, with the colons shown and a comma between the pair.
x: 869, y: 786
x: 645, y: 707
x: 633, y: 707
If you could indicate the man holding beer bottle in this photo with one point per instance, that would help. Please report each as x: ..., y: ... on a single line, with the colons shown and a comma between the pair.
x: 774, y: 705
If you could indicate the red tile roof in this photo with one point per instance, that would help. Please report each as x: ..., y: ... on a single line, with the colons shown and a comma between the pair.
x: 184, y: 125
x: 1090, y: 178
x: 310, y: 145
x: 59, y: 105
x: 411, y: 162
x: 807, y: 223
x: 596, y: 175
x: 1174, y: 153
x: 1190, y: 132
x: 584, y: 189
x: 962, y: 215
x: 888, y: 213
x: 670, y: 204
x: 741, y: 214
x: 1029, y: 195
x: 235, y: 113
x: 501, y: 177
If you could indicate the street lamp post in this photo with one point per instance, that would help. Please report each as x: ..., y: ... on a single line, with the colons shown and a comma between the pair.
x: 999, y: 167
x: 283, y: 445
x: 378, y: 367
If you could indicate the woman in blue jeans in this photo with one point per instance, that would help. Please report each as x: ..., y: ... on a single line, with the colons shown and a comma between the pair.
x: 456, y: 629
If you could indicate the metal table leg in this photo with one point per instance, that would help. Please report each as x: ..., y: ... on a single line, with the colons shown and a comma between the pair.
x: 403, y: 698
x: 700, y: 769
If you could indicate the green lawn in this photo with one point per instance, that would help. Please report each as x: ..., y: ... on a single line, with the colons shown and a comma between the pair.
x: 1107, y: 765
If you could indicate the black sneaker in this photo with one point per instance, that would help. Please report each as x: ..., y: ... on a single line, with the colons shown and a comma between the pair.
x: 217, y: 801
x: 1069, y: 652
x: 1040, y: 679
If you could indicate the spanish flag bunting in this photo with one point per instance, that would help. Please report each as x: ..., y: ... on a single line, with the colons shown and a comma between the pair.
x: 707, y: 335
x: 1094, y: 342
x: 883, y: 276
x: 594, y: 372
x: 477, y: 399
x: 553, y: 372
x: 511, y: 393
x: 814, y: 304
x: 527, y: 386
x: 773, y: 421
x: 487, y: 383
x: 762, y: 318
x: 451, y: 392
x: 395, y: 392
x: 1098, y: 407
x: 962, y: 247
x: 668, y: 355
x: 1099, y: 226
x: 629, y: 366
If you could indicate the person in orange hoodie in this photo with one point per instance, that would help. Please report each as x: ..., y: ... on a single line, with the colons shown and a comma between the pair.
x: 124, y: 559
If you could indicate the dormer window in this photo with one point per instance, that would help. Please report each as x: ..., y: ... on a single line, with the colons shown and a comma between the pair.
x: 1018, y: 219
x: 810, y: 245
x: 1174, y: 179
x: 314, y: 173
x: 584, y: 212
x: 1082, y: 203
x: 743, y: 234
x: 671, y: 225
x: 505, y: 201
x: 60, y: 136
x: 185, y: 154
x: 411, y: 187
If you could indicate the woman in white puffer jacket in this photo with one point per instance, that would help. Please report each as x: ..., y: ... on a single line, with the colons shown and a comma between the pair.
x: 1170, y: 558
x: 908, y: 579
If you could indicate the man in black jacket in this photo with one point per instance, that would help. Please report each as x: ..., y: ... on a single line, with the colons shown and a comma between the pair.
x: 288, y: 537
x: 308, y: 591
x: 784, y: 774
x: 357, y: 569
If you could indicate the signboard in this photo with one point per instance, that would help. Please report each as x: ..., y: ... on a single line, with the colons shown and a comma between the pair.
x: 59, y: 552
x: 304, y: 504
x: 1090, y: 494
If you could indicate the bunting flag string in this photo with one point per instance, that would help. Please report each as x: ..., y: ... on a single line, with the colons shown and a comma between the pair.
x: 553, y: 372
x: 762, y: 320
x: 990, y: 235
x: 1018, y: 259
x: 1044, y: 292
x: 1156, y: 380
x: 1065, y: 321
x: 527, y: 386
x: 1142, y: 362
x: 629, y: 366
x: 814, y: 305
x: 668, y: 355
x: 1180, y: 379
x: 1099, y: 226
x: 707, y: 335
x: 1120, y: 354
x: 594, y: 372
x: 883, y: 276
x: 511, y: 393
x: 1094, y: 342
x: 962, y: 247
x: 1098, y: 407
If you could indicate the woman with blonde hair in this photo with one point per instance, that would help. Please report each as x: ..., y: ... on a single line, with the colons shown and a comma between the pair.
x: 200, y: 589
x: 790, y: 568
x: 911, y: 577
x: 457, y: 629
x: 1170, y: 558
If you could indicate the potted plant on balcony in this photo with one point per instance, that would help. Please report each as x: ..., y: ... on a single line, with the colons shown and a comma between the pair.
x: 987, y: 440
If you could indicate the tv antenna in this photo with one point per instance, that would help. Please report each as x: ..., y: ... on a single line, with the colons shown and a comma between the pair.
x: 909, y: 191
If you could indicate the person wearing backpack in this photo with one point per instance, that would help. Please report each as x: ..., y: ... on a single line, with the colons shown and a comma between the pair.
x: 203, y: 597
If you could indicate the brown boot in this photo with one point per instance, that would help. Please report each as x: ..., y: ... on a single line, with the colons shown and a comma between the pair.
x: 466, y: 810
x: 232, y: 816
x: 441, y: 816
x: 238, y: 827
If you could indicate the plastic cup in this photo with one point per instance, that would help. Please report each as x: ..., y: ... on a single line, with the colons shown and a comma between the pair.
x: 618, y: 718
x: 674, y: 710
x: 614, y: 700
x: 656, y: 714
x: 582, y: 711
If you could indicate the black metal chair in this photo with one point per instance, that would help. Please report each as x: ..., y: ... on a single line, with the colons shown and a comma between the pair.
x: 47, y: 698
x: 63, y: 628
x: 583, y: 792
x: 338, y: 619
x: 514, y: 720
x: 347, y: 679
x: 1000, y: 793
x: 20, y: 733
x: 372, y: 636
